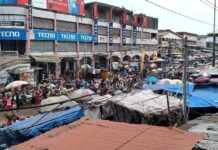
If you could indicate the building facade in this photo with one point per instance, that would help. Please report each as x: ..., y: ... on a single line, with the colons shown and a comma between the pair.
x: 202, y: 42
x: 90, y: 34
x: 191, y: 39
x: 169, y: 42
x: 209, y: 42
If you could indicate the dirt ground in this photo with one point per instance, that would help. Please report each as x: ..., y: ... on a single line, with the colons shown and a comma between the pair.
x: 21, y: 113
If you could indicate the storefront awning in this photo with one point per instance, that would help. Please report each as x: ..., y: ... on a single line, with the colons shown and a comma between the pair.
x: 47, y: 59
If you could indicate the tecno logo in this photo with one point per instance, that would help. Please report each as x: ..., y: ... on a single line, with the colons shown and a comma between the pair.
x: 46, y: 35
x: 9, y: 34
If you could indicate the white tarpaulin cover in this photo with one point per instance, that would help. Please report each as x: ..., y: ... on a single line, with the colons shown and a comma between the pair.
x: 146, y: 101
x: 56, y: 99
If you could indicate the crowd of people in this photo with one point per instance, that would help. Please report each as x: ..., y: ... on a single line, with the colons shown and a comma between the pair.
x: 122, y: 80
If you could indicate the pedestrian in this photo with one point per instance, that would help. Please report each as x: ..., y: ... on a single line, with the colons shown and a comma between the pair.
x: 9, y: 101
x: 4, y: 100
x: 17, y: 97
x: 37, y: 97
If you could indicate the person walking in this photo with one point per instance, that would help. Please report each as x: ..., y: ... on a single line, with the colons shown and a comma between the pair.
x: 37, y: 97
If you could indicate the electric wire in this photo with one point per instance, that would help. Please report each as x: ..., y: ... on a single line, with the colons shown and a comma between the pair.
x: 36, y: 123
x: 209, y: 2
x: 178, y: 13
x: 211, y: 5
x: 206, y: 4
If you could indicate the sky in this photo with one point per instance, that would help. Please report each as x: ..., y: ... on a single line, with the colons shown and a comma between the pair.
x: 167, y: 20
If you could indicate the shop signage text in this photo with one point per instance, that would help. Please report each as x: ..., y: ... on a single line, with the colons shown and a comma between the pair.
x: 124, y: 34
x: 12, y: 34
x: 62, y: 36
x: 96, y: 32
x: 134, y: 35
x: 111, y: 33
x: 45, y: 35
x: 67, y: 36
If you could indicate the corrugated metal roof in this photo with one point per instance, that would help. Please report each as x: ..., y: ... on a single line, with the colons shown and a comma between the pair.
x: 91, y: 134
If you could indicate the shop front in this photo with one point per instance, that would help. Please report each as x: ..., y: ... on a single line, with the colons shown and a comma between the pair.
x: 50, y: 66
x: 13, y: 40
x: 68, y: 64
x: 101, y: 62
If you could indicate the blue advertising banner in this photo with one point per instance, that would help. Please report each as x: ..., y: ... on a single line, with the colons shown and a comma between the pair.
x: 134, y: 36
x: 62, y: 36
x: 45, y: 35
x: 7, y: 2
x: 96, y: 32
x: 12, y: 34
x: 111, y: 33
x: 84, y: 37
x: 124, y: 34
x: 66, y: 36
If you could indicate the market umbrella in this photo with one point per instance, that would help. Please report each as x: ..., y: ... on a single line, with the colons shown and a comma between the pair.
x: 4, y: 74
x: 153, y: 66
x: 85, y: 66
x: 16, y: 84
x: 81, y: 93
x: 134, y: 65
x: 56, y: 99
x: 201, y: 79
x: 165, y: 82
x: 151, y: 79
x: 126, y: 66
x: 50, y: 86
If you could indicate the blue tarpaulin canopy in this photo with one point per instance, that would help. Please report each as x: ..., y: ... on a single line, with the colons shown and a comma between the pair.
x: 151, y: 79
x: 199, y: 96
x: 36, y: 125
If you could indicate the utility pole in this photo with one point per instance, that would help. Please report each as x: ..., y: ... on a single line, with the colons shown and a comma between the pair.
x: 214, y: 37
x: 185, y: 81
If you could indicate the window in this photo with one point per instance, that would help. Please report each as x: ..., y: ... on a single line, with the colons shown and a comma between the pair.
x: 40, y: 23
x: 42, y: 46
x: 66, y: 26
x: 67, y: 47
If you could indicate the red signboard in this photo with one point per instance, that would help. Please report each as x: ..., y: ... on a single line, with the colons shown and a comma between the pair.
x: 135, y: 20
x: 145, y: 23
x: 95, y: 11
x: 124, y: 19
x: 58, y: 5
x: 75, y: 7
x: 81, y: 7
x: 111, y: 14
x: 22, y: 2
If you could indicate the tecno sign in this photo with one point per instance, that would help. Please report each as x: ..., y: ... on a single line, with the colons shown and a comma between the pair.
x: 45, y: 35
x: 62, y: 36
x: 9, y: 34
x: 12, y: 34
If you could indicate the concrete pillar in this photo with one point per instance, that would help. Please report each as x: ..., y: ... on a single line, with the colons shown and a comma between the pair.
x: 28, y: 51
x: 58, y: 70
x: 93, y: 47
x: 78, y: 48
x: 55, y: 29
x: 121, y: 42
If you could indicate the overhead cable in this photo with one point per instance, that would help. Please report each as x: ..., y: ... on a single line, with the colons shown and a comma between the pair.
x: 178, y: 13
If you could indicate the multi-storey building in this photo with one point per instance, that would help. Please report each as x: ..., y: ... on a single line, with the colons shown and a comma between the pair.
x: 62, y: 35
x: 202, y: 42
x: 169, y: 42
x: 191, y: 39
x: 209, y: 41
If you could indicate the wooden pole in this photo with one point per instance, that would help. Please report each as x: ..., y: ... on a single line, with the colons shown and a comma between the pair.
x: 168, y: 108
